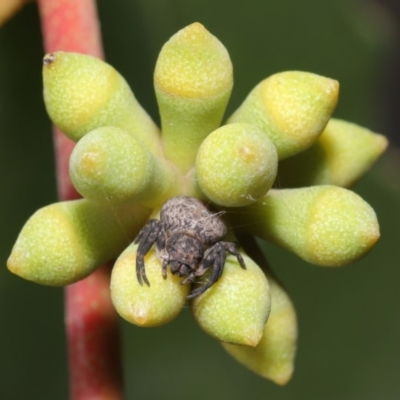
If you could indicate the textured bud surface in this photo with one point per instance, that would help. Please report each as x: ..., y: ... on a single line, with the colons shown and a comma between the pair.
x: 110, y: 166
x: 82, y: 93
x: 324, y: 225
x: 341, y: 230
x: 142, y: 305
x: 194, y: 64
x: 292, y: 107
x: 235, y: 309
x: 64, y: 242
x: 236, y: 164
x: 273, y: 357
x: 340, y: 156
x: 193, y: 81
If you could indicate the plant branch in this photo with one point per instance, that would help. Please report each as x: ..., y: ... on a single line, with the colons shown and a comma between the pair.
x: 91, y: 321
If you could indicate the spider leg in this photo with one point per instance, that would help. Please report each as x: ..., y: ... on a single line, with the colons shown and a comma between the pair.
x: 232, y: 248
x: 216, y: 256
x: 175, y: 266
x: 164, y: 268
x: 190, y: 278
x: 165, y: 258
x: 140, y: 234
x: 146, y: 238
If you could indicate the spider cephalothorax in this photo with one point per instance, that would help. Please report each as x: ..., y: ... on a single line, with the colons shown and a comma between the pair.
x: 188, y: 239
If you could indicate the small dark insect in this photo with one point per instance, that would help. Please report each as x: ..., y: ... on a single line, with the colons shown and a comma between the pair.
x: 188, y: 239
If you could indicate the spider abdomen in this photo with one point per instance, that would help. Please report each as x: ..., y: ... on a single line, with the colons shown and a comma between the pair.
x: 185, y: 249
x: 192, y: 217
x: 188, y: 238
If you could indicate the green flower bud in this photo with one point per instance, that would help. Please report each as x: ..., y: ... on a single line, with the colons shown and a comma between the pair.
x: 82, y: 93
x: 143, y: 305
x: 64, y: 242
x: 291, y: 107
x: 235, y: 309
x: 273, y: 357
x: 110, y: 166
x: 236, y: 164
x: 193, y: 81
x: 340, y: 156
x: 324, y: 225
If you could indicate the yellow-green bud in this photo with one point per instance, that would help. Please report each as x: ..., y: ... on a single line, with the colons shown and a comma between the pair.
x: 108, y: 165
x: 193, y: 81
x: 235, y: 309
x: 143, y: 305
x: 273, y: 357
x: 64, y: 242
x: 340, y: 156
x: 324, y: 225
x: 82, y: 93
x: 236, y: 164
x: 292, y: 107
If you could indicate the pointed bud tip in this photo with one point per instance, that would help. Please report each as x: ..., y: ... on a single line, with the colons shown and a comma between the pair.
x: 194, y: 64
x: 49, y: 59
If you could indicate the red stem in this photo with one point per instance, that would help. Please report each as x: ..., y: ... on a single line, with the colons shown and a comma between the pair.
x: 91, y: 321
x: 93, y: 339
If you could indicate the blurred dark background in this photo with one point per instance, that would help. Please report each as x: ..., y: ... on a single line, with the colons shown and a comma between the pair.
x: 349, y: 321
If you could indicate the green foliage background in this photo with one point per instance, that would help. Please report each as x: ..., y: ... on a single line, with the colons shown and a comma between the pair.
x: 348, y: 318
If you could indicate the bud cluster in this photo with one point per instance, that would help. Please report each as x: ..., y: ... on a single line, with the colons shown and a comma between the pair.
x: 280, y: 166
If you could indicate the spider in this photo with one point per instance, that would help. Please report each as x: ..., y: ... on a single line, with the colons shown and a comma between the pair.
x: 188, y: 239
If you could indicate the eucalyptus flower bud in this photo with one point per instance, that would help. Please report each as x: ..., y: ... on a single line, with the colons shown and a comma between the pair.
x: 108, y: 165
x: 146, y: 306
x: 273, y: 357
x: 235, y: 308
x: 64, y: 242
x: 236, y: 164
x: 82, y: 93
x: 292, y: 107
x: 340, y: 156
x: 324, y: 225
x: 193, y: 82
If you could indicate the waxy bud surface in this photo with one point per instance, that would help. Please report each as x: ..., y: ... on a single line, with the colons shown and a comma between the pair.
x: 292, y: 107
x: 236, y: 164
x: 340, y: 156
x: 82, y: 93
x: 273, y: 357
x: 64, y: 242
x: 193, y: 80
x: 143, y: 305
x: 324, y: 225
x: 235, y: 309
x: 110, y: 166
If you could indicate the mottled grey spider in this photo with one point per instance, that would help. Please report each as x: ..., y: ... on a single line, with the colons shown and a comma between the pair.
x: 188, y: 239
